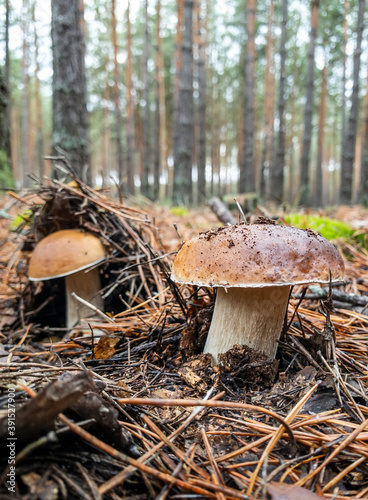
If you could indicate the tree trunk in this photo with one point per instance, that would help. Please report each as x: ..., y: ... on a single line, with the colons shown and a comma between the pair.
x: 277, y: 173
x: 247, y: 167
x: 363, y: 191
x: 118, y: 124
x: 7, y: 132
x: 344, y: 44
x: 106, y: 140
x: 70, y: 118
x: 176, y: 91
x: 130, y: 128
x: 39, y: 120
x: 292, y: 182
x: 5, y: 169
x: 159, y: 131
x: 267, y: 149
x: 348, y: 149
x: 318, y: 193
x: 308, y: 114
x: 202, y: 29
x: 146, y: 165
x: 26, y: 168
x: 183, y: 154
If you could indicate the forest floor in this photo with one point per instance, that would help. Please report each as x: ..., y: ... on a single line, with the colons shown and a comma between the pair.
x: 127, y: 406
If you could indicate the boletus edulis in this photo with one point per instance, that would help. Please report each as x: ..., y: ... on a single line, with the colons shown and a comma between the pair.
x: 73, y: 254
x: 253, y: 267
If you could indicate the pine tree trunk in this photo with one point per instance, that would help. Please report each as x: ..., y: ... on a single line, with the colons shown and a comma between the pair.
x: 39, y: 120
x: 291, y: 149
x: 106, y: 140
x: 118, y: 121
x: 348, y: 150
x: 363, y: 190
x: 176, y: 92
x: 202, y: 91
x: 277, y: 173
x: 25, y: 97
x: 213, y: 135
x: 146, y: 166
x: 344, y: 57
x: 267, y: 149
x: 318, y: 193
x: 70, y: 118
x: 157, y: 143
x: 183, y: 154
x: 247, y: 167
x: 6, y: 136
x: 130, y: 128
x: 308, y: 114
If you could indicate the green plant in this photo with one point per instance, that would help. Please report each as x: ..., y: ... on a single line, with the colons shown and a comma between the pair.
x: 331, y: 229
x: 179, y: 211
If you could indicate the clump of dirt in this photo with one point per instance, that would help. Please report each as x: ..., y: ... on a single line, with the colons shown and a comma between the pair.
x: 197, y: 372
x: 243, y: 366
x: 195, y: 334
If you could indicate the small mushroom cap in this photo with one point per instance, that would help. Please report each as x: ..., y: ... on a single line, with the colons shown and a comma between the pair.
x: 257, y: 255
x: 64, y: 252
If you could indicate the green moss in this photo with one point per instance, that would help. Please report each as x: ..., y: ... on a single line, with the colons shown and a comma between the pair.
x: 331, y: 229
x: 21, y: 220
x: 179, y: 211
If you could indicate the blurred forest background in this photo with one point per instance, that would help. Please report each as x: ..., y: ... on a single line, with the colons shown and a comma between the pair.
x: 182, y: 100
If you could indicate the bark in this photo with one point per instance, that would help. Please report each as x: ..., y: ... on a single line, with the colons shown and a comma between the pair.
x: 131, y: 143
x: 25, y: 98
x: 5, y: 176
x: 363, y: 191
x: 221, y: 211
x: 70, y: 118
x: 213, y: 129
x: 348, y: 150
x: 202, y: 91
x: 183, y: 154
x: 106, y: 141
x: 146, y: 166
x: 318, y: 194
x: 39, y: 120
x: 291, y: 153
x: 247, y: 167
x: 344, y: 57
x: 267, y: 150
x: 6, y: 133
x: 308, y: 114
x: 159, y: 130
x: 277, y: 173
x: 176, y: 93
x: 118, y: 121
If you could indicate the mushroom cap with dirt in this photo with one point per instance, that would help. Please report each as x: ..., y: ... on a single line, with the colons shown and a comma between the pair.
x: 73, y: 254
x: 253, y: 267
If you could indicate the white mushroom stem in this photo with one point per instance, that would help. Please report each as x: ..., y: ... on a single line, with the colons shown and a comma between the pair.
x: 87, y: 285
x: 247, y: 316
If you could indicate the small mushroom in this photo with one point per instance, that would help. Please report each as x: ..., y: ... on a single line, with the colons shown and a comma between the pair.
x: 73, y: 254
x: 253, y: 267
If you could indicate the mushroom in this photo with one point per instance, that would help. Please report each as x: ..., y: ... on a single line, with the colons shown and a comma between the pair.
x: 70, y: 253
x: 253, y: 267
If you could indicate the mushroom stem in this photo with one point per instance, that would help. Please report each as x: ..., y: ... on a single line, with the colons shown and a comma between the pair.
x: 247, y: 316
x: 87, y: 285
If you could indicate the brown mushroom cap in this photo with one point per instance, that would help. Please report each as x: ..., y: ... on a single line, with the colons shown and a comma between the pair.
x: 257, y: 255
x: 64, y: 252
